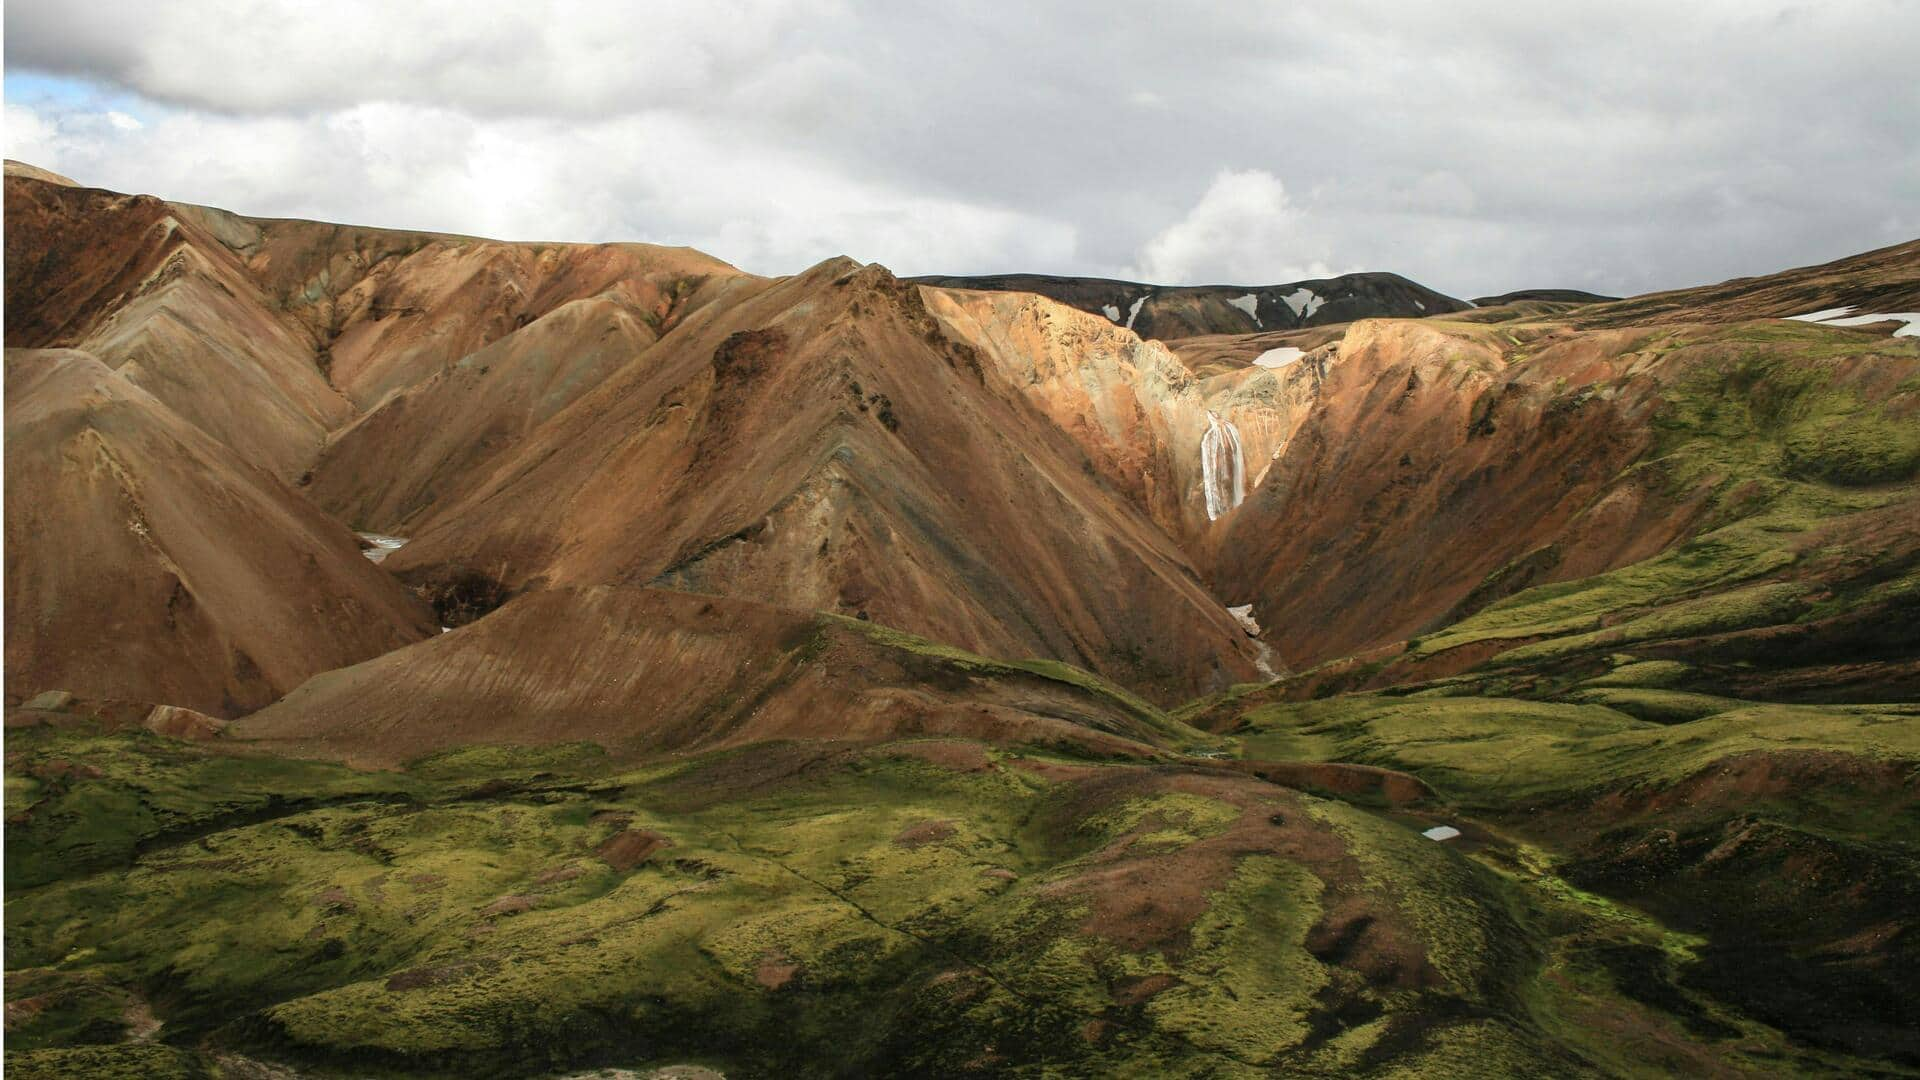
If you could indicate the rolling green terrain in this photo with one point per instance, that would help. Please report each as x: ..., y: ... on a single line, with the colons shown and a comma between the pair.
x: 946, y: 907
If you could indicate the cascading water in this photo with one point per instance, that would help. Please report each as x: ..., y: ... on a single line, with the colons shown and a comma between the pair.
x: 1223, y: 473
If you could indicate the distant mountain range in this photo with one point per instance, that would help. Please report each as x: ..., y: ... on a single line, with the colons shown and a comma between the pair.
x: 1171, y: 312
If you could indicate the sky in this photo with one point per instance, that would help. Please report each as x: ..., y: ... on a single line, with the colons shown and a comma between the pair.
x: 1475, y: 147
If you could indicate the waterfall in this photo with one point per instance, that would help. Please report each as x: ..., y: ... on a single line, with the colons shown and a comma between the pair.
x: 1223, y: 473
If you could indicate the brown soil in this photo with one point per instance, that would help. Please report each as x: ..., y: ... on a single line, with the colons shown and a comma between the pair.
x: 629, y: 848
x: 920, y: 834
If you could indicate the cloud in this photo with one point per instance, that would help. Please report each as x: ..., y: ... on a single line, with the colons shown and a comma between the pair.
x: 1244, y: 230
x: 422, y: 167
x: 1619, y: 147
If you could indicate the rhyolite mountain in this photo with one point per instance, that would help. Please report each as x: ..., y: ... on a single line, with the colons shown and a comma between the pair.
x: 837, y: 675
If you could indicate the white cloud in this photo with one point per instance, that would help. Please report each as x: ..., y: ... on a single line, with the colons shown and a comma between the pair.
x: 1244, y: 230
x: 1616, y: 147
x: 413, y: 166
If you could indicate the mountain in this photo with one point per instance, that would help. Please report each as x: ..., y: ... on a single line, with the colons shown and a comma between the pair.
x: 849, y: 675
x: 818, y: 442
x: 1170, y: 312
x: 146, y: 561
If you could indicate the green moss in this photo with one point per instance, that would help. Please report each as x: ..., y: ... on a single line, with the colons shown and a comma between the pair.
x: 1862, y: 448
x: 1647, y: 673
x: 1156, y: 725
x: 1714, y: 561
x: 1490, y: 752
x: 131, y: 1062
x: 815, y: 912
x: 1189, y: 817
x: 1657, y: 706
x: 496, y: 762
x: 1248, y: 985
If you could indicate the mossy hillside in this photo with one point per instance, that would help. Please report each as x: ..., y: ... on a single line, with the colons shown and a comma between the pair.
x: 892, y: 910
x: 1789, y: 445
x: 1775, y: 401
x: 1726, y: 557
x: 97, y: 798
x: 47, y: 1007
x: 1494, y: 752
x: 1154, y: 722
x: 1249, y: 986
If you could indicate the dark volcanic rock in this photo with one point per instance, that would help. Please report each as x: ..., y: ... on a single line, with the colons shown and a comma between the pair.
x: 1170, y: 312
x: 1551, y: 296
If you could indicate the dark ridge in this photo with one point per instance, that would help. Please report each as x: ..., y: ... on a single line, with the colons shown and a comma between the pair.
x: 1178, y: 311
x: 1551, y: 296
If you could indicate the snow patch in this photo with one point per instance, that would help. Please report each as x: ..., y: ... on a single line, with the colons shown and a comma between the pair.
x: 1840, y: 317
x: 1262, y: 652
x: 383, y: 545
x: 1250, y: 304
x: 1278, y: 358
x: 1822, y: 315
x: 1223, y: 471
x: 1422, y: 306
x: 1134, y: 311
x: 1243, y: 614
x: 1441, y: 832
x: 1112, y: 313
x: 1304, y: 302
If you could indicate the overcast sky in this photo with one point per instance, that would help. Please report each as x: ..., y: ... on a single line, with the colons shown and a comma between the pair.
x: 1476, y: 147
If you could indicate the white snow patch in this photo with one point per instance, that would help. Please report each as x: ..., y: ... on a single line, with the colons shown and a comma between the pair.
x: 1262, y: 652
x: 1250, y: 304
x: 1822, y: 315
x: 1839, y: 317
x: 1112, y: 313
x: 1223, y: 471
x: 1420, y: 305
x: 1441, y: 832
x: 1134, y: 311
x: 1243, y: 614
x: 1304, y: 302
x: 383, y: 545
x: 1278, y: 358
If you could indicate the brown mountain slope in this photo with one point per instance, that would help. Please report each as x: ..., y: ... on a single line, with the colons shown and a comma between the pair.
x: 425, y: 442
x: 384, y: 309
x: 35, y: 172
x: 270, y: 333
x: 817, y: 443
x: 147, y: 561
x: 1884, y: 280
x: 644, y: 671
x: 152, y: 295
